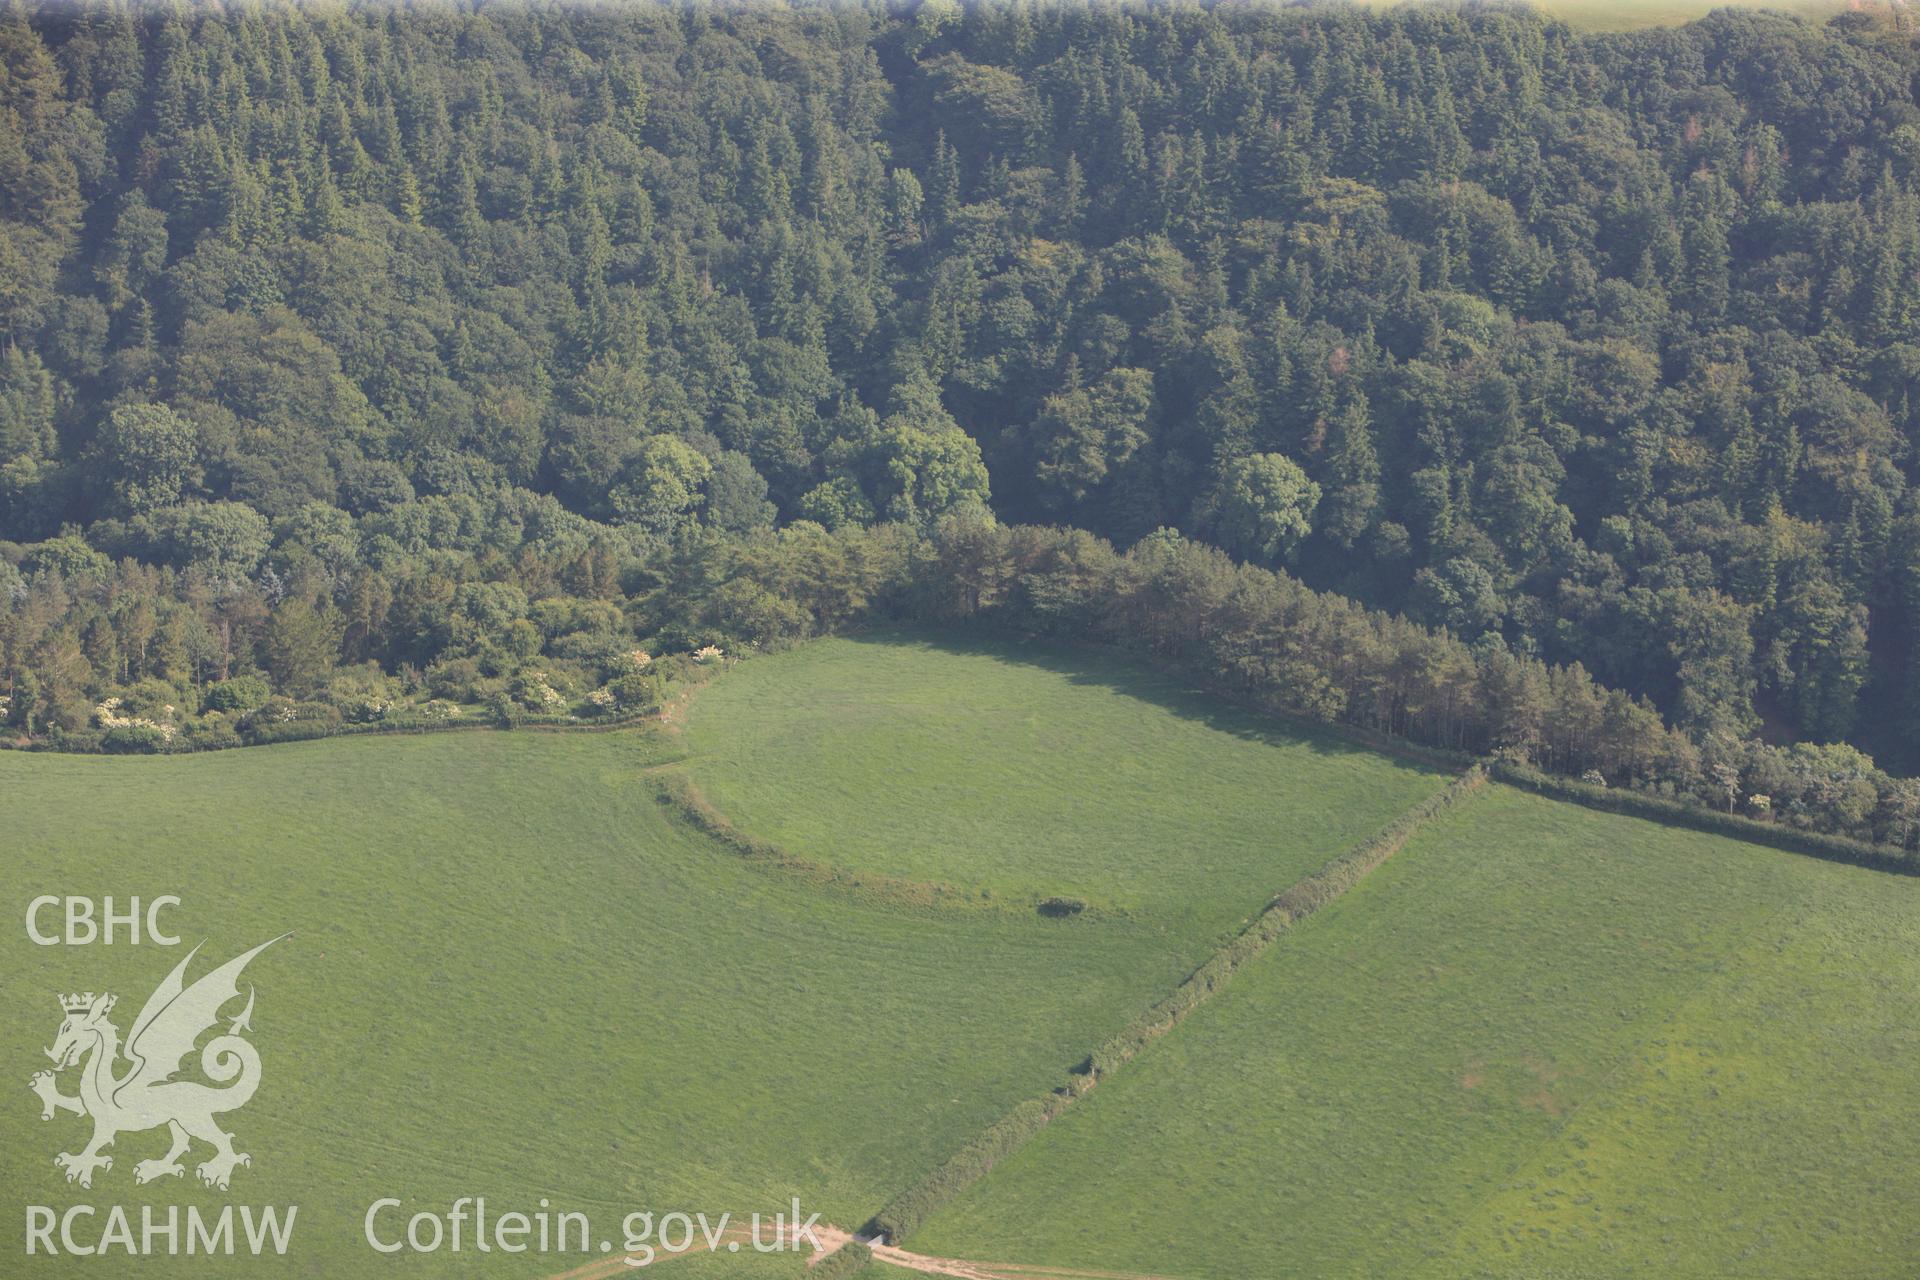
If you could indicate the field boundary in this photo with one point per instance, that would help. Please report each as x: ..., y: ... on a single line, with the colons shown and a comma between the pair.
x: 1629, y: 800
x: 679, y: 792
x: 850, y: 1259
x: 1678, y: 813
x: 911, y: 1208
x: 318, y: 730
x: 1296, y: 719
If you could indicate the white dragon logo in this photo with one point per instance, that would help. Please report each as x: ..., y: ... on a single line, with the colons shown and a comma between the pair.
x: 146, y: 1095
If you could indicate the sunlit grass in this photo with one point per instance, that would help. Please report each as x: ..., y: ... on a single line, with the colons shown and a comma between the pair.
x: 515, y: 975
x: 1542, y: 1041
x: 1025, y: 770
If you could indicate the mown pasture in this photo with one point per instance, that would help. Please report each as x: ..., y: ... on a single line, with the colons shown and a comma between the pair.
x: 515, y: 973
x: 1540, y: 1041
x: 1024, y: 771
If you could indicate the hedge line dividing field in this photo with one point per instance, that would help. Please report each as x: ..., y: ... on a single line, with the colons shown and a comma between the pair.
x: 683, y: 795
x: 977, y: 1158
x: 1693, y: 817
x: 313, y: 730
x: 459, y: 875
x: 850, y: 1259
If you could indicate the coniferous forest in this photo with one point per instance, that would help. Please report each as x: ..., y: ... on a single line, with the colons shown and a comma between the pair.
x: 1439, y: 371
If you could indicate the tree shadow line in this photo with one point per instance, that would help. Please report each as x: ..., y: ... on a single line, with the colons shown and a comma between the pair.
x: 1134, y: 675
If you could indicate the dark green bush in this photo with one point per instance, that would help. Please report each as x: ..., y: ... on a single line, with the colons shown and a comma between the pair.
x: 239, y: 694
x: 636, y: 693
x: 849, y: 1259
x: 133, y: 739
x: 458, y: 680
x: 280, y: 720
x: 210, y: 734
x: 81, y: 740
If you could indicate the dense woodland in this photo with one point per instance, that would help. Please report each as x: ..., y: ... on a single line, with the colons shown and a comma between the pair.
x: 365, y: 352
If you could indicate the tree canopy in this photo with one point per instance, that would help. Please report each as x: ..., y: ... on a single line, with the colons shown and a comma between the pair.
x: 1597, y: 350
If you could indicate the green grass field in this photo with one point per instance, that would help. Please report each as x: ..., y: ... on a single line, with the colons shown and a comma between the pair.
x: 1541, y: 1041
x: 515, y: 974
x: 1028, y: 771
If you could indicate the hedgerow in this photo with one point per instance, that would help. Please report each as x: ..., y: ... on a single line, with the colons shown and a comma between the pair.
x: 967, y: 1165
x: 912, y: 1207
x: 684, y: 796
x: 850, y: 1259
x: 1641, y: 804
x: 1304, y: 898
